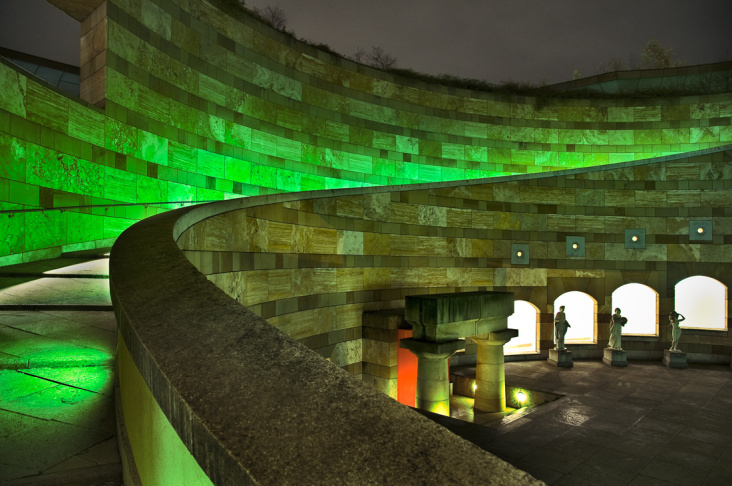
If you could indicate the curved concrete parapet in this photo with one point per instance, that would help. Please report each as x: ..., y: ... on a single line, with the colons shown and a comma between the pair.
x: 206, y: 382
x: 203, y: 377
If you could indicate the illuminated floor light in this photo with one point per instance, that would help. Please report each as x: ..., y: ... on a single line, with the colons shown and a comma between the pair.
x: 475, y: 386
x: 521, y: 397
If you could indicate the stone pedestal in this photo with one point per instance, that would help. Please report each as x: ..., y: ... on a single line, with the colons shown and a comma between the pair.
x: 674, y: 359
x: 433, y: 376
x: 614, y: 357
x: 561, y: 359
x: 490, y: 376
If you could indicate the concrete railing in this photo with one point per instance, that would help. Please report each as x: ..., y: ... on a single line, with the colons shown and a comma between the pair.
x: 212, y: 393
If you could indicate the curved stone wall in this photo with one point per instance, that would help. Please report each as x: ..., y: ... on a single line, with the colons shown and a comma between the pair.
x: 223, y: 389
x: 201, y: 105
x: 312, y: 266
x: 213, y: 394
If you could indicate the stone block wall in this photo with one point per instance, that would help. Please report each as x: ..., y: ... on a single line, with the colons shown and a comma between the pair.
x: 201, y: 103
x: 313, y: 266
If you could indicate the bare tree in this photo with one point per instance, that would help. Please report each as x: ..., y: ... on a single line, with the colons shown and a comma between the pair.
x: 276, y: 16
x: 377, y: 57
x: 381, y: 59
x: 359, y: 55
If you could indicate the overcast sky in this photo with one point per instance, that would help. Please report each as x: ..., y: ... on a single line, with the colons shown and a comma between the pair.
x: 520, y: 40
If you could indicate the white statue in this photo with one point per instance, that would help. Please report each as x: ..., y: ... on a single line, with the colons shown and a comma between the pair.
x: 674, y: 318
x: 560, y: 328
x: 616, y: 330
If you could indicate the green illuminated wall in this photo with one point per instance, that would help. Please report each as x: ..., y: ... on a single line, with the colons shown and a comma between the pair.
x: 193, y: 104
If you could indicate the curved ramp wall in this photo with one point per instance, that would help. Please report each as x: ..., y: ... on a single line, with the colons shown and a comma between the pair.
x: 199, y: 104
x: 312, y: 266
x: 211, y: 391
x: 213, y: 394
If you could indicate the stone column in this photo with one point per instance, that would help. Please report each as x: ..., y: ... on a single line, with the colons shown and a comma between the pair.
x: 433, y: 377
x: 490, y: 376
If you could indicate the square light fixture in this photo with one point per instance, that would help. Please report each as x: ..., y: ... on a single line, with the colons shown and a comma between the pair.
x: 635, y: 239
x: 575, y: 246
x: 700, y: 230
x: 520, y: 254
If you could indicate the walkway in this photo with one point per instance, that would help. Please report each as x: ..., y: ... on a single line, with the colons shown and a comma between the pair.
x: 57, y: 345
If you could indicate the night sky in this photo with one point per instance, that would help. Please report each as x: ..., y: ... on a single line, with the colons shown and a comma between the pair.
x: 520, y: 40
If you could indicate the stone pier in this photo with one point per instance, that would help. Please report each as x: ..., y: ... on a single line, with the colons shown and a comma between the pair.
x: 490, y: 376
x: 439, y: 323
x: 433, y: 373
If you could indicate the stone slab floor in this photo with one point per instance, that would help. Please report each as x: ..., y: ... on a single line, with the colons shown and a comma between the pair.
x: 641, y: 425
x: 57, y: 419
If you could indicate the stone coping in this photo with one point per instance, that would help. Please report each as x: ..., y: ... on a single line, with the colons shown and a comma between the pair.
x: 251, y: 404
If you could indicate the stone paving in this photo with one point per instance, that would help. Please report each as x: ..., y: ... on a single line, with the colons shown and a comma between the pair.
x: 57, y: 419
x: 641, y: 425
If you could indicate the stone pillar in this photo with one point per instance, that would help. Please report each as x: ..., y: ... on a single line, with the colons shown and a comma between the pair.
x: 490, y: 376
x: 433, y: 377
x: 93, y: 79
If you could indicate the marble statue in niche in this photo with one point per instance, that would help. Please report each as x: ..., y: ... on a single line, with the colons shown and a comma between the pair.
x: 674, y: 319
x: 616, y: 330
x: 560, y: 328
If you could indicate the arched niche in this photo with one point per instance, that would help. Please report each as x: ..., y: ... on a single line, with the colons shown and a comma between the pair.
x: 525, y: 319
x: 703, y: 301
x: 581, y: 311
x: 639, y: 304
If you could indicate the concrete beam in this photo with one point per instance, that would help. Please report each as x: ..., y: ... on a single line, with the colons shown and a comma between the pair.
x: 447, y: 317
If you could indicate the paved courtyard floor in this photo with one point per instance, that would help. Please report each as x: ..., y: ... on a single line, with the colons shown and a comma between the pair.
x: 58, y: 340
x: 641, y: 425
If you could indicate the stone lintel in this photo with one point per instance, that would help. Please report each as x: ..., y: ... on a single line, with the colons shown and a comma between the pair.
x: 498, y: 338
x: 446, y: 317
x: 675, y: 359
x: 432, y: 350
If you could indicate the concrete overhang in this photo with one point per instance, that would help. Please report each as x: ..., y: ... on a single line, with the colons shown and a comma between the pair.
x: 77, y: 9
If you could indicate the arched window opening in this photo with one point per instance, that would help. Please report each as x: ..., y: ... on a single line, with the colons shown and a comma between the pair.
x: 525, y: 319
x: 639, y: 303
x: 703, y: 301
x: 581, y: 311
